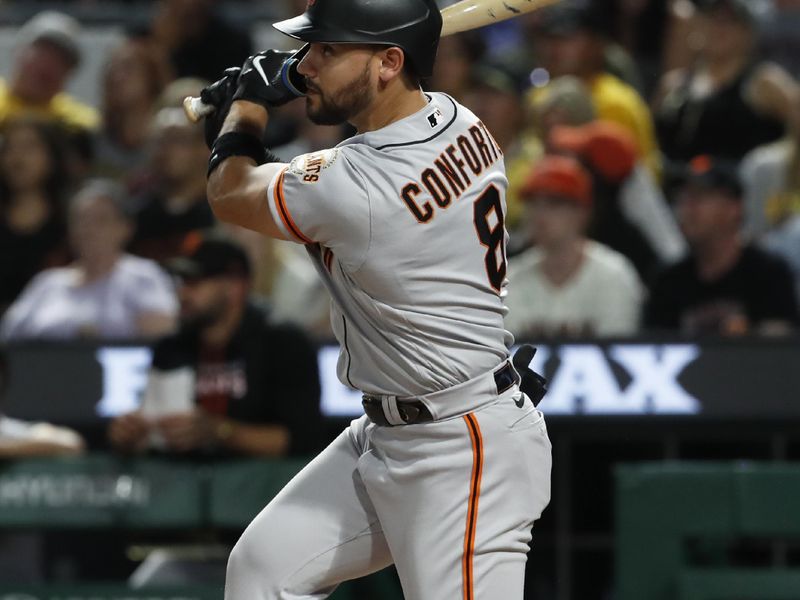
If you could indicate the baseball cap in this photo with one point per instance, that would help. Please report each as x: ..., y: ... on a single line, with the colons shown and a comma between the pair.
x: 712, y: 173
x: 59, y: 29
x: 607, y: 147
x: 559, y: 176
x: 572, y: 17
x: 210, y: 255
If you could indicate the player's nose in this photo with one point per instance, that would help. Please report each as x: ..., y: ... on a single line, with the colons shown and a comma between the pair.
x: 305, y: 66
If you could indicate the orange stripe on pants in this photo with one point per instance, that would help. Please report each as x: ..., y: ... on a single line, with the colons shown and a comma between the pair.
x: 472, y: 510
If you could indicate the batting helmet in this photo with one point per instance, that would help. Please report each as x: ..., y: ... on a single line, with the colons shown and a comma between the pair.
x: 413, y: 25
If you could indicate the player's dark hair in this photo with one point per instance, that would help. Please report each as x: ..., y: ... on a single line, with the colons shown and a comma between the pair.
x: 411, y: 74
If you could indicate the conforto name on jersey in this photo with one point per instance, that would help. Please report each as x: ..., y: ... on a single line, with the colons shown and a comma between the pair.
x: 452, y: 172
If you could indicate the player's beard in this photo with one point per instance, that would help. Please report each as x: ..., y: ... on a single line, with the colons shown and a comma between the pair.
x: 340, y: 106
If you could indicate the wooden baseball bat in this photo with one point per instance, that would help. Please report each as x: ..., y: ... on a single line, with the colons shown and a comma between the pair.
x: 461, y: 16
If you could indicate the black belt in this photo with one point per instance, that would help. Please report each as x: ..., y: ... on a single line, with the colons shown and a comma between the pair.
x: 414, y: 411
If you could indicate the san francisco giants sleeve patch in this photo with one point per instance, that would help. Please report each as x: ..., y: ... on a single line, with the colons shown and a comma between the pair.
x: 309, y: 167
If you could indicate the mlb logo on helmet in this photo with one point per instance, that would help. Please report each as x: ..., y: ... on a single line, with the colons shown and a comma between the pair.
x: 310, y: 3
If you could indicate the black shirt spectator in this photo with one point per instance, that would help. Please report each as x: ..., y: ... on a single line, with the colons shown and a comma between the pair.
x: 33, y: 181
x: 265, y: 374
x: 161, y: 232
x: 724, y: 286
x: 687, y: 126
x: 228, y: 382
x: 728, y: 101
x: 759, y: 288
x: 173, y: 204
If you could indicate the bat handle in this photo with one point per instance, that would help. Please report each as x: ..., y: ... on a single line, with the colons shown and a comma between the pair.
x: 196, y: 109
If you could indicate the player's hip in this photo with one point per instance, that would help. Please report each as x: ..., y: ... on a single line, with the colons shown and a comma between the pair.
x: 449, y: 403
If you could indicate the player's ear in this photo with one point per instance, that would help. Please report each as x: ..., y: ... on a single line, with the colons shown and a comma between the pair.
x: 392, y: 61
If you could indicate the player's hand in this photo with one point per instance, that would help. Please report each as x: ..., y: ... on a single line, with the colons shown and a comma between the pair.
x: 219, y: 95
x: 183, y: 432
x: 270, y: 78
x: 129, y: 432
x: 532, y: 385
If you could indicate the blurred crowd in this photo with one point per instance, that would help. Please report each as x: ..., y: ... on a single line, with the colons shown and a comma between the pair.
x: 652, y: 149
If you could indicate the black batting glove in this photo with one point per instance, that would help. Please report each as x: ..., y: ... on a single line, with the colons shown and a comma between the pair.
x: 270, y: 78
x: 532, y: 385
x: 219, y: 95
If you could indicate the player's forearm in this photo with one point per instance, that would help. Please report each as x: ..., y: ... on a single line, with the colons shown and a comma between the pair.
x: 254, y: 440
x: 236, y: 189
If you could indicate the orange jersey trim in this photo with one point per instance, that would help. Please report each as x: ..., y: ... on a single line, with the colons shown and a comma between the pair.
x: 472, y: 510
x: 286, y: 217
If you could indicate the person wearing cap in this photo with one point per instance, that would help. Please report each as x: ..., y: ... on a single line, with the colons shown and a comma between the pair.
x: 631, y: 213
x: 173, y: 204
x: 48, y: 52
x: 105, y: 293
x: 496, y: 97
x: 725, y: 286
x: 572, y: 41
x: 567, y: 284
x: 727, y: 102
x: 253, y: 386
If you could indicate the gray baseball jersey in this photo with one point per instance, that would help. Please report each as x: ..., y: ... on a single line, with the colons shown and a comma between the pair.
x: 409, y: 222
x: 406, y: 226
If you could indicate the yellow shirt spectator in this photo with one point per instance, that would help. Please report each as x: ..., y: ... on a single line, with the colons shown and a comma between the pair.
x: 614, y: 100
x: 46, y: 56
x: 62, y: 107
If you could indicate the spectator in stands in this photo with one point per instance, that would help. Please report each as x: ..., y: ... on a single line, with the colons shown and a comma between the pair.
x: 455, y: 59
x: 495, y: 96
x: 771, y: 178
x: 567, y: 284
x: 572, y: 41
x: 33, y: 179
x: 174, y: 204
x: 566, y: 100
x: 630, y: 212
x: 228, y: 382
x: 133, y: 79
x: 654, y: 32
x: 105, y: 293
x: 725, y: 286
x: 198, y: 40
x: 48, y: 53
x: 727, y: 102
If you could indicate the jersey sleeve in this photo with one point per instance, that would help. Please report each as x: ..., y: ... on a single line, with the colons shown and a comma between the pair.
x: 322, y: 198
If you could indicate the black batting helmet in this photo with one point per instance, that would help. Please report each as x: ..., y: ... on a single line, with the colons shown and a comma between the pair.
x: 413, y: 25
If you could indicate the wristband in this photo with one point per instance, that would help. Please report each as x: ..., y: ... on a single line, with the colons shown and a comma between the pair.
x: 235, y: 143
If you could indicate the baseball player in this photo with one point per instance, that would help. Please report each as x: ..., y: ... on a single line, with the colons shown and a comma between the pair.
x: 448, y: 469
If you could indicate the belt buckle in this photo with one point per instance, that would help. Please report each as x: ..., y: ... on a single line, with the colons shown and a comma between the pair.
x: 409, y: 414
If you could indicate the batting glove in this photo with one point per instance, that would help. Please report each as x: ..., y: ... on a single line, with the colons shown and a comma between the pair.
x: 270, y: 78
x: 219, y: 95
x: 532, y: 385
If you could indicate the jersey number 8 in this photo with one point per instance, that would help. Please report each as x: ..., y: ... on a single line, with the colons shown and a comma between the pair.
x: 490, y: 227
